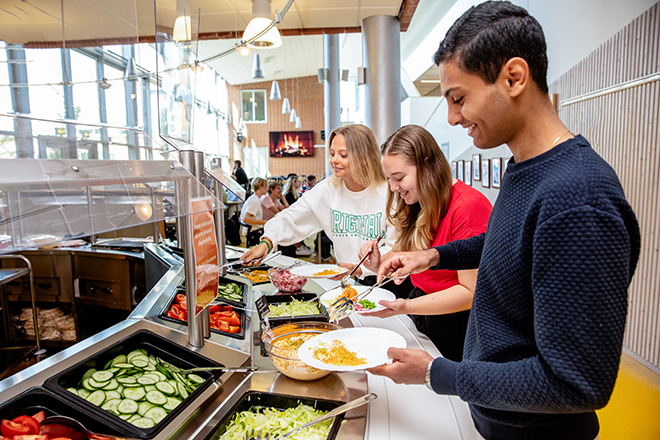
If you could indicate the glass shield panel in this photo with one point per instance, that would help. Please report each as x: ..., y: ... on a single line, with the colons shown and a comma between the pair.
x: 49, y: 201
x: 228, y: 182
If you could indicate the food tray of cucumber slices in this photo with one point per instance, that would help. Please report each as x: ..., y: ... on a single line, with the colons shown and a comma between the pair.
x: 232, y: 291
x: 133, y: 382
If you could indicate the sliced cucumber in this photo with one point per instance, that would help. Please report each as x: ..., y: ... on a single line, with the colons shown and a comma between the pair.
x: 157, y: 398
x: 144, y: 423
x: 134, y: 417
x: 96, y: 385
x: 111, y: 395
x: 172, y: 402
x: 126, y: 366
x: 84, y: 392
x: 125, y: 380
x: 146, y: 380
x: 127, y: 406
x: 148, y: 388
x: 89, y: 373
x: 182, y: 390
x: 111, y: 405
x: 165, y: 387
x: 102, y: 376
x: 113, y: 385
x: 143, y: 407
x: 156, y: 414
x: 73, y: 390
x: 97, y: 397
x: 134, y: 393
x: 196, y: 379
x: 121, y: 359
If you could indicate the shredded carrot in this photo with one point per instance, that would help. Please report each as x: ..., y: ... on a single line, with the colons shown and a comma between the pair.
x: 327, y: 272
x: 338, y: 354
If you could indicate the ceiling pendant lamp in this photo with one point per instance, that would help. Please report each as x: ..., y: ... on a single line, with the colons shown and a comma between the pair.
x: 256, y: 34
x: 243, y: 49
x: 286, y: 108
x: 298, y: 124
x: 275, y: 91
x: 257, y: 72
x: 292, y: 118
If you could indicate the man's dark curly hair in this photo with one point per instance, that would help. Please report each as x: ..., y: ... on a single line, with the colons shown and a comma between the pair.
x: 488, y: 35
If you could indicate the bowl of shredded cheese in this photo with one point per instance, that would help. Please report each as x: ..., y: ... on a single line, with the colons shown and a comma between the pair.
x: 282, y: 348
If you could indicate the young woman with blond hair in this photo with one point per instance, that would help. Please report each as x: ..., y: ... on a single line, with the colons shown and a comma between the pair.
x: 349, y: 206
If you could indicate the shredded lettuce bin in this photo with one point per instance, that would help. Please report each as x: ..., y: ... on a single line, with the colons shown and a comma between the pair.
x: 294, y: 308
x: 278, y: 422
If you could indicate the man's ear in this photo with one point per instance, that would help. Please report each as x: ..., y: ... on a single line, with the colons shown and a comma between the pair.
x: 515, y: 76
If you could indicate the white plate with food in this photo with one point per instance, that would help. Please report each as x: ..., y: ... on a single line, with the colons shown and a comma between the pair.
x: 366, y: 305
x: 350, y: 349
x: 318, y: 270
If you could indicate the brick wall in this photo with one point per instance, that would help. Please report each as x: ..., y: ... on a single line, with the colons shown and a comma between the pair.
x: 306, y: 96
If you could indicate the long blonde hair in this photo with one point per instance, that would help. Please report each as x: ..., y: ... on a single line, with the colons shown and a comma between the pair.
x: 290, y: 186
x: 363, y: 155
x: 416, y: 227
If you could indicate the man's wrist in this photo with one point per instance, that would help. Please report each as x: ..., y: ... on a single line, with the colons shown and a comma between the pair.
x: 434, y: 257
x: 427, y: 377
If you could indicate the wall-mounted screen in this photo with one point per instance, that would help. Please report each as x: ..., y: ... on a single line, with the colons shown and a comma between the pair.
x: 291, y: 143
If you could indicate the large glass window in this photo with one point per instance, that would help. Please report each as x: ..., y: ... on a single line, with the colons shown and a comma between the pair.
x: 5, y: 93
x: 253, y: 105
x: 115, y: 97
x: 44, y: 72
x: 85, y: 88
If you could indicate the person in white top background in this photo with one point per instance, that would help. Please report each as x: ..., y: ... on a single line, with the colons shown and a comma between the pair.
x: 349, y: 206
x: 252, y: 213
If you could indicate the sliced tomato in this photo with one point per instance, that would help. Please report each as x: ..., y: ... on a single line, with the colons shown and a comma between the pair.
x: 11, y: 429
x: 39, y: 417
x: 215, y: 308
x: 180, y: 297
x: 172, y: 315
x: 28, y: 421
x: 223, y: 326
x: 226, y: 308
x: 234, y: 329
x: 183, y: 305
x: 176, y: 309
x: 233, y: 319
x: 30, y: 437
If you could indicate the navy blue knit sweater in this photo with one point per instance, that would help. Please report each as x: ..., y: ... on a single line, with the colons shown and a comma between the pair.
x: 546, y: 326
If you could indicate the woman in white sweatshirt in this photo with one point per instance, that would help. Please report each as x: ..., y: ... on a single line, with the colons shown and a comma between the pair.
x: 349, y: 206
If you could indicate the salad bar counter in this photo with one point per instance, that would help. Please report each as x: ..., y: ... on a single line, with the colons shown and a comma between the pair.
x: 133, y: 380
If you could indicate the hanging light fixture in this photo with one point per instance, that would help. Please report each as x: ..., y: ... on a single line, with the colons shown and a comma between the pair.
x: 257, y: 72
x: 292, y: 118
x: 260, y: 22
x: 243, y: 49
x: 183, y: 24
x: 298, y: 124
x: 286, y: 108
x: 275, y: 91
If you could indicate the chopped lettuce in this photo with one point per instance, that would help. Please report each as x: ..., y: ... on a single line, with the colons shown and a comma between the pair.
x: 294, y: 308
x: 277, y: 423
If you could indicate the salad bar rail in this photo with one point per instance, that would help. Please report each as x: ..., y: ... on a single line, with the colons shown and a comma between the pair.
x: 193, y: 414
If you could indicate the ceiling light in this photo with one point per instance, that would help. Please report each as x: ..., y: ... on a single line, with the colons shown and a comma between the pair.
x: 197, y: 67
x: 243, y: 49
x: 298, y: 124
x: 182, y: 29
x: 286, y: 108
x: 104, y: 84
x: 275, y: 92
x: 292, y: 118
x: 261, y: 32
x: 257, y: 72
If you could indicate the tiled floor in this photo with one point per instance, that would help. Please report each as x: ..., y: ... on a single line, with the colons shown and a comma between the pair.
x: 633, y: 411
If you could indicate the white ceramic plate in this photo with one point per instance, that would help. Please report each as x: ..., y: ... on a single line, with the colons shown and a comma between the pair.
x: 232, y: 254
x: 311, y: 270
x: 368, y: 343
x: 376, y: 295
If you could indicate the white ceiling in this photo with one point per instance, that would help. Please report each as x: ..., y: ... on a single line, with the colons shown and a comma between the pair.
x: 46, y: 23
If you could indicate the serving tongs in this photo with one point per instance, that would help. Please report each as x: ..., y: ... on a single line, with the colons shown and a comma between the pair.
x: 178, y: 370
x: 344, y: 306
x: 343, y: 283
x: 269, y: 257
x: 260, y: 435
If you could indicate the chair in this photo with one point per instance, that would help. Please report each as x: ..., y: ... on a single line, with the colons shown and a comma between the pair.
x: 251, y: 237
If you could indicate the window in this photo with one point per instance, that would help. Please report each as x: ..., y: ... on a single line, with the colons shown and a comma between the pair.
x: 253, y: 105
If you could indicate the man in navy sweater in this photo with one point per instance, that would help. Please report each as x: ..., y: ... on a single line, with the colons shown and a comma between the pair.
x: 546, y: 327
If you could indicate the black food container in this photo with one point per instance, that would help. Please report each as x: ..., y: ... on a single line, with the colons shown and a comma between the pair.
x: 38, y: 399
x: 256, y: 400
x: 283, y: 298
x: 243, y: 269
x: 223, y: 282
x: 154, y: 344
x: 240, y: 312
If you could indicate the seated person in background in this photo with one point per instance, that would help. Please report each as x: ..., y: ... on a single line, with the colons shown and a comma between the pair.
x: 430, y: 208
x: 252, y: 214
x: 291, y: 191
x: 272, y: 202
x: 239, y: 174
x: 311, y: 181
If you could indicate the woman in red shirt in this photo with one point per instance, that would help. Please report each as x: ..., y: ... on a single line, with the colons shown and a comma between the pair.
x: 429, y: 208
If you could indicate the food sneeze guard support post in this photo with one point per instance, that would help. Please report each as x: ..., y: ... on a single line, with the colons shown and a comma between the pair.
x: 219, y: 216
x: 184, y: 241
